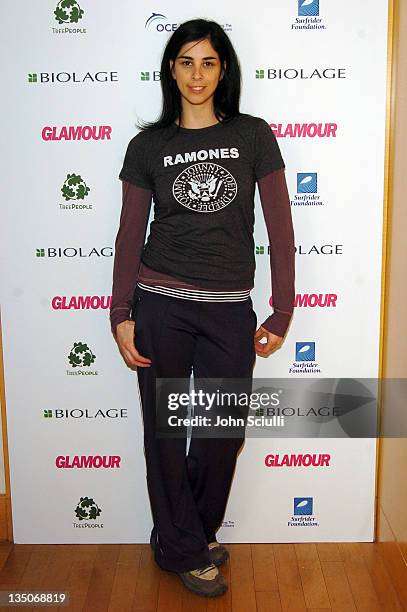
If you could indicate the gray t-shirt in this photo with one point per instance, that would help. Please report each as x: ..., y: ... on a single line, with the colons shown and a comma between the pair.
x: 203, y: 183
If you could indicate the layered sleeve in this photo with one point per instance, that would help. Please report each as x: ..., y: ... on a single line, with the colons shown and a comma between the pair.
x: 277, y: 215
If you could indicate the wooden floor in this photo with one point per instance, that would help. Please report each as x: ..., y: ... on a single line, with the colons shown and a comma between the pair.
x: 262, y: 577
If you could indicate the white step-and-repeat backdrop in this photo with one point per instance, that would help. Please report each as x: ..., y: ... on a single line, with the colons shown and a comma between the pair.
x: 76, y: 79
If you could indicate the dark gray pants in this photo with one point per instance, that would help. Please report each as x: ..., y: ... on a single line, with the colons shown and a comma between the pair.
x: 188, y: 493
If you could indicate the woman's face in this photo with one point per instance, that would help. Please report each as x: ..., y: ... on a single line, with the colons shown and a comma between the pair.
x: 197, y: 70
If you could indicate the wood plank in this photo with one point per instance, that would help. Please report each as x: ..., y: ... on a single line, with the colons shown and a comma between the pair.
x: 264, y: 567
x: 170, y: 593
x: 101, y: 579
x: 124, y: 583
x: 359, y: 579
x: 5, y: 549
x: 382, y: 580
x: 289, y: 579
x: 312, y: 578
x: 268, y: 601
x: 77, y: 583
x: 14, y: 566
x: 148, y: 581
x: 328, y: 551
x: 338, y: 587
x: 242, y: 579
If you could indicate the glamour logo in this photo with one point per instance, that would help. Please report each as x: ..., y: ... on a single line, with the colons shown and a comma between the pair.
x: 87, y: 510
x: 205, y: 188
x: 70, y: 252
x: 88, y: 461
x: 77, y: 132
x: 313, y: 300
x: 304, y: 130
x: 81, y: 302
x: 73, y: 77
x: 301, y: 73
x: 80, y: 413
x: 68, y: 12
x: 159, y: 23
x: 298, y: 460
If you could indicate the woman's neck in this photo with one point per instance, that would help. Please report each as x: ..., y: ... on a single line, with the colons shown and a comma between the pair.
x: 195, y: 117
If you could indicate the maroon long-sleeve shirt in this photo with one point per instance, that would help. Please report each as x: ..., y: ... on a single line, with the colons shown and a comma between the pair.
x: 128, y: 267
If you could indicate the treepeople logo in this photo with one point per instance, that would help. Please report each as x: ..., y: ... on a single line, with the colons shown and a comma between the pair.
x: 75, y: 190
x: 68, y: 11
x: 81, y: 357
x: 87, y: 510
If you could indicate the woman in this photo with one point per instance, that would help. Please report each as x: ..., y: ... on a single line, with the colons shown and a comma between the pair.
x: 181, y: 302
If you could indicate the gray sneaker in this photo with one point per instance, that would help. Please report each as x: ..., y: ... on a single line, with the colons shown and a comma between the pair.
x: 205, y: 581
x: 218, y: 554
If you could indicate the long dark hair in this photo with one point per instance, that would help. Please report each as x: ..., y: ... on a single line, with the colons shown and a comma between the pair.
x: 227, y: 95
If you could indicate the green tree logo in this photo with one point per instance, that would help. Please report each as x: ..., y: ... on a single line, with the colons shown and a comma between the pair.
x: 259, y: 250
x: 145, y: 76
x: 87, y: 509
x: 259, y: 74
x: 74, y: 188
x: 81, y: 355
x: 68, y: 11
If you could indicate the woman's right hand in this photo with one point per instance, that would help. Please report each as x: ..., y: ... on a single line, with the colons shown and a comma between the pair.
x: 125, y: 342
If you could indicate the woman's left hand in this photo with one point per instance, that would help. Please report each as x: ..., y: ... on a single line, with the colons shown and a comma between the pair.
x: 266, y: 348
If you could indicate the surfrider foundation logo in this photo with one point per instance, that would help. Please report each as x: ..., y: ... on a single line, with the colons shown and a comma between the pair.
x: 205, y: 187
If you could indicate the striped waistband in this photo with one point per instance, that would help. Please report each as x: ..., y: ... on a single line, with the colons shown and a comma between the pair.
x: 199, y: 295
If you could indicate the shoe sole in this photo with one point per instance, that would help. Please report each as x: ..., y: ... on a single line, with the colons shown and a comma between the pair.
x: 220, y: 591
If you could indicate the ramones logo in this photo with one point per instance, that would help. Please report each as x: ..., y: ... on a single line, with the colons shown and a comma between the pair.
x: 205, y: 187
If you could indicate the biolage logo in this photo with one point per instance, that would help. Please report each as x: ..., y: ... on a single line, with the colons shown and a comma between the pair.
x: 302, y: 249
x: 73, y: 252
x: 80, y: 413
x: 81, y: 357
x: 305, y: 362
x: 49, y: 78
x: 150, y: 75
x: 307, y: 190
x: 87, y: 511
x: 304, y: 130
x: 308, y: 17
x: 81, y: 302
x: 76, y: 132
x: 67, y: 13
x: 298, y: 460
x: 88, y: 461
x: 303, y: 513
x: 292, y: 74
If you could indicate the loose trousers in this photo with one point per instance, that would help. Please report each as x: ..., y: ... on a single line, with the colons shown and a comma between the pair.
x: 188, y: 492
